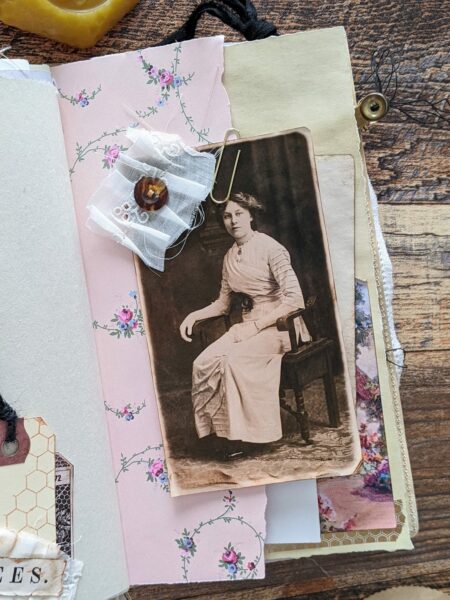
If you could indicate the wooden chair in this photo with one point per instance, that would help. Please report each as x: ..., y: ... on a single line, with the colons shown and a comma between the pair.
x: 304, y: 363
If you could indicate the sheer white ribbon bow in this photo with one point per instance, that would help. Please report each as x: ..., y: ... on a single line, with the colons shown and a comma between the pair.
x: 188, y: 176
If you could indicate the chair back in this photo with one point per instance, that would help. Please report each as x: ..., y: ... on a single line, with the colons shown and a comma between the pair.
x: 309, y: 316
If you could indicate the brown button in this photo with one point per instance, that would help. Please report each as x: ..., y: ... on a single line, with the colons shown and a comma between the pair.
x: 150, y: 193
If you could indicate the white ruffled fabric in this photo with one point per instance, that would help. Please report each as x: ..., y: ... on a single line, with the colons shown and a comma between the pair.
x: 189, y: 177
x: 395, y: 353
x: 17, y: 545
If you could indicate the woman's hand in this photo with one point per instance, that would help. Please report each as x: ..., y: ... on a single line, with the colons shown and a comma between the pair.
x: 186, y: 327
x: 243, y: 331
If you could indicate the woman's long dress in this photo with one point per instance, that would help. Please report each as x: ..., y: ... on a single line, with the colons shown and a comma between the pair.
x: 235, y: 387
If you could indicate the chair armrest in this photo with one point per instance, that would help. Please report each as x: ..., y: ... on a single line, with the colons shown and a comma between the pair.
x: 205, y: 331
x: 202, y: 323
x: 286, y: 323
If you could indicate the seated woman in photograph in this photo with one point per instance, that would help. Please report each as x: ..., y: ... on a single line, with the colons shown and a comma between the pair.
x: 235, y: 380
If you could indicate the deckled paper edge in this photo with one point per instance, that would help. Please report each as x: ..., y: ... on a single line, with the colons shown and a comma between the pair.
x: 385, y: 308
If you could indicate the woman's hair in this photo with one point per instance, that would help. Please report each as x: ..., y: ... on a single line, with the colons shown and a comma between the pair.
x: 246, y: 201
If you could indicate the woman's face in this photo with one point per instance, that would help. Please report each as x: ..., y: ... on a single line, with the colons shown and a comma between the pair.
x: 237, y: 221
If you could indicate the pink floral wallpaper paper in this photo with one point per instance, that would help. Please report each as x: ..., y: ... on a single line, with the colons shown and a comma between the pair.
x: 177, y: 89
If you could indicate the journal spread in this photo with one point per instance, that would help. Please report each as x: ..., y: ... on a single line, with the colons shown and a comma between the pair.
x: 203, y: 397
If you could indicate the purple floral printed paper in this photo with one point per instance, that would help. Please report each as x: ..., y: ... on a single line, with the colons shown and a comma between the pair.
x: 364, y: 500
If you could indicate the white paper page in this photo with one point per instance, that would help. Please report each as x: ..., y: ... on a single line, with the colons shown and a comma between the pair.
x: 19, y: 64
x: 292, y: 513
x: 48, y: 363
x: 21, y: 69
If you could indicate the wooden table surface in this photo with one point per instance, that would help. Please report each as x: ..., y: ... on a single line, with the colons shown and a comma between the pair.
x: 408, y: 165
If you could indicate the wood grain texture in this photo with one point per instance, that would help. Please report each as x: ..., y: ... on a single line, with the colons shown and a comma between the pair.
x: 409, y: 166
x: 418, y: 238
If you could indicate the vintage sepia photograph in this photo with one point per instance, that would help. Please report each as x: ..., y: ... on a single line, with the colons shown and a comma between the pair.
x: 243, y: 331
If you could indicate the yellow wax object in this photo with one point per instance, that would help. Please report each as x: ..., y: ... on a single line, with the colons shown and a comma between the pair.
x: 79, y: 23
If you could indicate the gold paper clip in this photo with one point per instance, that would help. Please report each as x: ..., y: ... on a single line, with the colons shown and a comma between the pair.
x: 370, y: 109
x: 225, y: 139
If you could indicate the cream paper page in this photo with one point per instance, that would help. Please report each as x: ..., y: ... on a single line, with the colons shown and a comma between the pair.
x: 305, y: 79
x: 280, y: 83
x: 48, y: 362
x: 336, y: 176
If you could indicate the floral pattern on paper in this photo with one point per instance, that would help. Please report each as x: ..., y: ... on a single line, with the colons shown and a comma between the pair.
x: 156, y: 468
x: 375, y: 466
x: 327, y: 516
x: 128, y: 412
x: 233, y: 562
x: 81, y: 98
x: 139, y: 453
x: 170, y: 83
x: 373, y: 481
x: 231, y: 559
x: 166, y: 79
x: 126, y: 321
x: 110, y: 152
x: 157, y: 473
x: 363, y: 319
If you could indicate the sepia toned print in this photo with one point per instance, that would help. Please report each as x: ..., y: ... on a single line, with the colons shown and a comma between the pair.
x: 243, y: 334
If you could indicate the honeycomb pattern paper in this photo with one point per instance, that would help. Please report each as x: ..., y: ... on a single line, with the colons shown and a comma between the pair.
x: 27, y: 500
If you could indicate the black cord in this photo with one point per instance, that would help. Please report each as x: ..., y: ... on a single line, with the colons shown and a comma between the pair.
x: 239, y: 14
x: 8, y: 414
